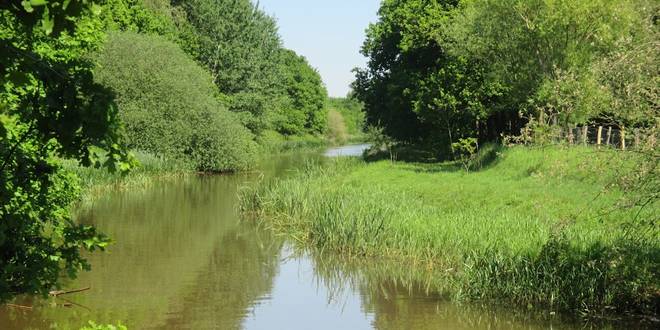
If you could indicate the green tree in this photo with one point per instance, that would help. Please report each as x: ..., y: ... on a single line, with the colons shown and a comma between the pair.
x: 533, y: 47
x: 49, y: 107
x: 305, y: 113
x: 157, y: 17
x: 351, y: 110
x: 441, y: 71
x: 168, y: 106
x: 240, y: 46
x: 413, y: 87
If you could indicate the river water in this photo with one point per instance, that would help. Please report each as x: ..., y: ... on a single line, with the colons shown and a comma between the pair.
x: 182, y: 259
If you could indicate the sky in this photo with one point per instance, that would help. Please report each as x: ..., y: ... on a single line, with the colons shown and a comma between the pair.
x: 329, y: 33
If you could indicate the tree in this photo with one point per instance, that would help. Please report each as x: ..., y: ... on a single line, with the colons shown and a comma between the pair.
x: 305, y: 112
x: 49, y: 107
x: 412, y: 86
x: 441, y: 71
x: 240, y: 46
x: 168, y: 106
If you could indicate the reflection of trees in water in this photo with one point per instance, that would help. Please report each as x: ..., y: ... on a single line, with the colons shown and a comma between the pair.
x: 233, y: 282
x: 171, y: 239
x: 405, y: 297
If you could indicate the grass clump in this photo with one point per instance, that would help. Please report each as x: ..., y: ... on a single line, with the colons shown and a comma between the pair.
x: 540, y: 227
x: 96, y: 181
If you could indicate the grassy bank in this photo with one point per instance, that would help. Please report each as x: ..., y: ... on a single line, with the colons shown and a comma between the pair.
x: 543, y: 227
x: 95, y: 182
x: 272, y: 142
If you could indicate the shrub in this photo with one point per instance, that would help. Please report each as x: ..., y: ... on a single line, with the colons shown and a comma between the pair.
x: 352, y: 111
x: 337, y: 133
x: 167, y: 104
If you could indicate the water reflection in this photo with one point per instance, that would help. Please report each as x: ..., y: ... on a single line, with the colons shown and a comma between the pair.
x: 297, y: 301
x: 347, y: 151
x: 184, y: 260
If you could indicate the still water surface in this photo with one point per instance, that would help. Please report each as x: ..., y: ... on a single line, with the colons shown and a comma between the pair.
x: 183, y: 259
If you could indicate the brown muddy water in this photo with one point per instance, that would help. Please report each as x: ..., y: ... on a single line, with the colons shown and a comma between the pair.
x: 183, y: 259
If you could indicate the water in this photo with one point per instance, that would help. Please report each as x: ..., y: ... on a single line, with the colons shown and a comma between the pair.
x: 355, y: 150
x: 184, y: 260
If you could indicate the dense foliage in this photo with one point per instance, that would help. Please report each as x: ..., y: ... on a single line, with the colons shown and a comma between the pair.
x: 167, y: 104
x: 271, y: 88
x: 441, y: 70
x: 49, y: 107
x: 352, y: 112
x: 305, y: 110
x: 240, y: 46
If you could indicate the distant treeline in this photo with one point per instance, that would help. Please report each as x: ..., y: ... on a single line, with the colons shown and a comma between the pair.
x: 190, y: 74
x: 442, y: 70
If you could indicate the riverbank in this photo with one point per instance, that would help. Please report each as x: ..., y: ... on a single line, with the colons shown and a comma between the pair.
x: 94, y: 181
x: 538, y: 227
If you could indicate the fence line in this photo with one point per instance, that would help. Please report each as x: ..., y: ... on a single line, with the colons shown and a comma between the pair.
x: 619, y: 138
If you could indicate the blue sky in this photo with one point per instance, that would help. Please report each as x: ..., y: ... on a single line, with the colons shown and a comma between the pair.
x: 329, y: 33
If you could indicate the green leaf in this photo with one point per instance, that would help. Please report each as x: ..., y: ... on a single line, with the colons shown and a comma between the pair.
x: 47, y: 22
x: 96, y: 9
x: 27, y: 6
x: 37, y: 3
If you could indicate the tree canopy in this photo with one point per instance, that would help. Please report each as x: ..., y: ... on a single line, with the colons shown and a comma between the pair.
x: 167, y: 104
x: 50, y: 107
x: 443, y: 70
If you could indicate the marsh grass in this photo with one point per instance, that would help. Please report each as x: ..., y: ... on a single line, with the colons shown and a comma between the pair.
x: 96, y: 182
x: 538, y: 227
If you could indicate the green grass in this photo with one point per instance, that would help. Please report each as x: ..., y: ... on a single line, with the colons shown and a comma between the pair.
x: 542, y: 227
x: 273, y: 142
x: 95, y: 182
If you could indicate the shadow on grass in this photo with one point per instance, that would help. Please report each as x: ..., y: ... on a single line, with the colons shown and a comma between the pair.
x: 424, y: 159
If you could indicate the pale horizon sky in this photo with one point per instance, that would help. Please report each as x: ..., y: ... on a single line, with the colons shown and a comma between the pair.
x: 329, y: 33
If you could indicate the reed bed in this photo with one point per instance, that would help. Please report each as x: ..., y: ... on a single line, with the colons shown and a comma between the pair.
x: 538, y: 227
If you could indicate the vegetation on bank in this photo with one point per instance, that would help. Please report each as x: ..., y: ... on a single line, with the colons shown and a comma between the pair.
x: 346, y: 123
x: 95, y: 182
x: 442, y: 71
x: 167, y: 105
x: 542, y: 226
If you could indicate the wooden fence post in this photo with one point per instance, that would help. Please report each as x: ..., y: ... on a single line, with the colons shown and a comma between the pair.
x: 585, y: 131
x: 623, y: 138
x: 609, y: 136
x: 599, y: 139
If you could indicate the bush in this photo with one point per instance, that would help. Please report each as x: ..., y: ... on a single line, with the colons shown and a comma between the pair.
x: 337, y: 133
x: 353, y: 113
x: 167, y: 104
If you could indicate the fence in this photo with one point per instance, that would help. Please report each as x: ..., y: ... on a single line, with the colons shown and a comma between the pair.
x: 601, y: 136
